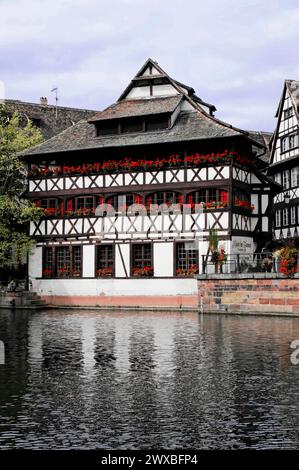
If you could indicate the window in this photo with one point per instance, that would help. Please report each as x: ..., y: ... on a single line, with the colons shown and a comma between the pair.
x: 62, y: 261
x: 295, y: 177
x: 293, y: 215
x: 278, y: 218
x: 285, y: 217
x: 84, y: 202
x: 289, y: 142
x: 293, y: 141
x: 288, y: 113
x: 107, y: 128
x: 120, y: 202
x: 104, y: 260
x: 154, y: 123
x: 142, y: 262
x: 48, y: 268
x: 132, y: 125
x: 278, y: 178
x: 186, y: 259
x: 164, y: 197
x: 50, y: 206
x: 286, y: 179
x: 209, y: 198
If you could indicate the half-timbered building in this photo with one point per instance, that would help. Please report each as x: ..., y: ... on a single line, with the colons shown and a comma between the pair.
x: 284, y: 163
x: 129, y: 197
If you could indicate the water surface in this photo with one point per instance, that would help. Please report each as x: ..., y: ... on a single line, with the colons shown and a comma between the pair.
x: 91, y: 380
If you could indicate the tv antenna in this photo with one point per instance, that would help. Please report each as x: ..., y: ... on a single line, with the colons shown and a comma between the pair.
x: 56, y: 99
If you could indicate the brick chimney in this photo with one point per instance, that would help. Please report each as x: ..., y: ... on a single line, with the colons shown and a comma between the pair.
x: 43, y: 101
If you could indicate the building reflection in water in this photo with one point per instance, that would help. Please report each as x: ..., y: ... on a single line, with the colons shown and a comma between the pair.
x: 145, y: 380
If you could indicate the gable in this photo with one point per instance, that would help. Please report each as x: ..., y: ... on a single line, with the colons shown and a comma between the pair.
x: 286, y: 141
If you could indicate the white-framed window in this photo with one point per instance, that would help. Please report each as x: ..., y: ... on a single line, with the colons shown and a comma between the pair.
x: 289, y: 142
x: 295, y: 176
x: 288, y: 113
x: 293, y: 141
x: 286, y: 179
x: 285, y: 217
x: 278, y: 178
x: 293, y: 215
x: 278, y: 218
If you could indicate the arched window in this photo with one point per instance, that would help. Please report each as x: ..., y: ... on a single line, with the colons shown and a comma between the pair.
x: 51, y: 206
x: 164, y: 197
x: 83, y: 205
x: 210, y: 198
x: 121, y: 202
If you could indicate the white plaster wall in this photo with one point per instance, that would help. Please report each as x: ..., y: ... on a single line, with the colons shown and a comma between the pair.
x: 88, y: 260
x: 255, y: 201
x: 163, y: 259
x: 164, y: 90
x: 139, y: 92
x: 121, y: 266
x: 186, y: 106
x: 35, y: 267
x: 265, y: 224
x: 205, y: 108
x: 175, y: 115
x: 265, y: 202
x: 118, y: 287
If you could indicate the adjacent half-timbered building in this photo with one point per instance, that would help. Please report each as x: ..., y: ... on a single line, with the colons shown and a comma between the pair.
x: 284, y: 163
x: 130, y: 195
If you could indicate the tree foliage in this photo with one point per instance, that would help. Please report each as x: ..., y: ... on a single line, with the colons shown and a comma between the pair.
x: 15, y: 210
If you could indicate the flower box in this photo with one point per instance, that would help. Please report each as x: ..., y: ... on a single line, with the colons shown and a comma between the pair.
x: 127, y: 164
x: 104, y: 272
x: 143, y: 272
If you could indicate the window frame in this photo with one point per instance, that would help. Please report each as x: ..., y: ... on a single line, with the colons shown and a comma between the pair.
x: 286, y: 179
x: 285, y: 217
x: 188, y: 263
x: 293, y: 215
x: 278, y: 218
x: 98, y: 247
x: 143, y: 261
x: 73, y: 250
x: 288, y: 113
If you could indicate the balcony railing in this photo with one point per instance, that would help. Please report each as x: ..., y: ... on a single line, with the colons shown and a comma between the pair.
x: 242, y: 264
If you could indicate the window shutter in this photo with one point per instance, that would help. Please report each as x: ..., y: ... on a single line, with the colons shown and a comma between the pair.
x: 223, y: 196
x: 62, y: 208
x: 138, y: 199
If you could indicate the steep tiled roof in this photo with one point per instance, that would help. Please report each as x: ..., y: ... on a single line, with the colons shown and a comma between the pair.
x: 293, y: 87
x: 140, y: 107
x: 188, y: 126
x: 264, y: 139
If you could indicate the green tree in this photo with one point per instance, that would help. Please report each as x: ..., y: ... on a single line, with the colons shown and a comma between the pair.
x: 15, y: 210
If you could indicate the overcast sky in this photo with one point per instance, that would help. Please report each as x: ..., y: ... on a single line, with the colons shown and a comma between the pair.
x: 234, y: 53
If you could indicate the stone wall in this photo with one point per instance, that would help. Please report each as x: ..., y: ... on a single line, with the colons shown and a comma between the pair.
x: 256, y: 293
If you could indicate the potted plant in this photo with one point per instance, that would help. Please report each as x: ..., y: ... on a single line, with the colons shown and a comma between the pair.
x: 288, y: 260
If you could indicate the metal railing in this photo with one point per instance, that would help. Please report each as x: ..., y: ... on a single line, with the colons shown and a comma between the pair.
x: 241, y: 264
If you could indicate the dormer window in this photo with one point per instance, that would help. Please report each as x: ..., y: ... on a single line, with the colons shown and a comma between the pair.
x: 132, y: 125
x: 107, y: 128
x: 149, y: 123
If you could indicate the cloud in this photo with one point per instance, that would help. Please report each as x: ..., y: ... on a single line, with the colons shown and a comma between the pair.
x: 91, y: 49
